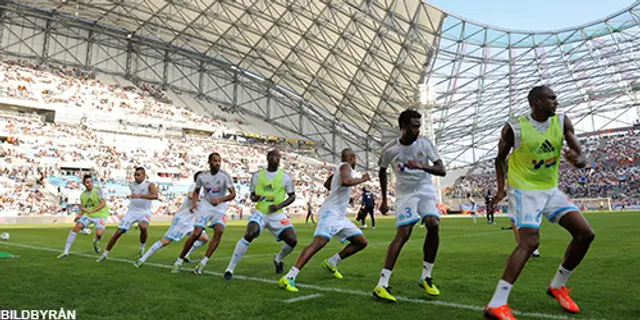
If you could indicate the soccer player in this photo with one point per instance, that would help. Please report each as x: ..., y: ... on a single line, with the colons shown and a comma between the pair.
x: 472, y: 207
x: 309, y: 211
x: 333, y: 222
x: 490, y: 214
x: 416, y: 198
x: 533, y: 193
x: 368, y: 205
x: 181, y: 225
x: 93, y: 210
x: 273, y: 191
x: 142, y: 193
x: 212, y: 211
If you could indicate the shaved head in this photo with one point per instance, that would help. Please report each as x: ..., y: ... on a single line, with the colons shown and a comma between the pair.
x: 345, y: 154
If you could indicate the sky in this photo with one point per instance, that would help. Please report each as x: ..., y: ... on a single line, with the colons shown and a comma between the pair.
x: 536, y: 15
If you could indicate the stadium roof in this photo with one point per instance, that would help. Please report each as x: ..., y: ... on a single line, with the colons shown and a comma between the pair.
x: 360, y: 61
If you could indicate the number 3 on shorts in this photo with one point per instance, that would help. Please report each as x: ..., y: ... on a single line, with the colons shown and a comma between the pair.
x: 407, y: 214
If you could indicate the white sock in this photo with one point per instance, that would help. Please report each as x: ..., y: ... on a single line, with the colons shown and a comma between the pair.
x: 238, y: 253
x: 334, y: 260
x: 561, y: 277
x: 195, y: 246
x: 536, y: 252
x: 293, y: 273
x: 105, y: 253
x: 96, y: 239
x: 474, y: 218
x: 286, y: 249
x: 142, y: 246
x: 384, y: 278
x: 426, y: 270
x: 501, y: 295
x: 204, y: 261
x: 179, y: 261
x: 155, y: 247
x: 70, y: 239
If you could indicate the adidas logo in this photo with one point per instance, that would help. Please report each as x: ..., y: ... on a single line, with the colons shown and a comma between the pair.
x: 546, y: 147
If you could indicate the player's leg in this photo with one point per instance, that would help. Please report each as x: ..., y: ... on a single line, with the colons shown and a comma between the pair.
x: 100, y: 225
x: 80, y: 224
x: 528, y: 228
x: 282, y: 229
x: 203, y: 240
x: 197, y: 230
x: 430, y: 250
x: 218, y: 230
x: 153, y: 249
x: 402, y: 235
x: 288, y: 282
x: 254, y: 227
x: 124, y: 226
x: 144, y: 234
x: 346, y: 231
x: 373, y: 220
x: 562, y: 211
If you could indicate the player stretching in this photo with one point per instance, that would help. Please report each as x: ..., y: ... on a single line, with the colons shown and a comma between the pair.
x: 93, y: 210
x: 416, y: 198
x: 142, y: 193
x: 333, y: 222
x: 181, y: 225
x: 533, y: 193
x: 212, y: 211
x: 273, y: 190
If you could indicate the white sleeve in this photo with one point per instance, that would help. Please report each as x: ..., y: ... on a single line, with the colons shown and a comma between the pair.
x: 254, y: 182
x: 288, y: 183
x: 430, y: 151
x: 385, y: 158
x: 228, y: 181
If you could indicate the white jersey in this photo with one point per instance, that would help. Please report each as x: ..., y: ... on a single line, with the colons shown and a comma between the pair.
x: 184, y: 213
x: 215, y: 186
x: 340, y: 195
x: 140, y: 205
x: 409, y: 181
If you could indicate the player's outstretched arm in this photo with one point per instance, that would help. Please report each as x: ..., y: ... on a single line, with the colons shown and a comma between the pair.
x: 574, y: 153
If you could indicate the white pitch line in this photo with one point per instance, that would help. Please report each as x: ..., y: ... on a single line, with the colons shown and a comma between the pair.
x: 311, y: 296
x: 318, y: 288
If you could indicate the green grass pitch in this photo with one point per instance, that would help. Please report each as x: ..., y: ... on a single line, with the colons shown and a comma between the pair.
x: 469, y: 263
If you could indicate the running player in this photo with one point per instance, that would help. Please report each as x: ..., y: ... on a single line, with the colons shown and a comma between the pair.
x: 218, y: 190
x: 416, y: 198
x: 533, y: 192
x: 142, y: 193
x: 472, y: 207
x: 93, y: 210
x: 333, y: 222
x: 273, y: 191
x: 181, y: 225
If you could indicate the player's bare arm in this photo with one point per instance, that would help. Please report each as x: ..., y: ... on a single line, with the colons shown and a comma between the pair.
x: 195, y: 196
x: 229, y: 197
x: 382, y: 176
x: 437, y: 169
x: 291, y: 197
x: 574, y: 153
x: 504, y: 147
x: 347, y: 181
x: 327, y: 184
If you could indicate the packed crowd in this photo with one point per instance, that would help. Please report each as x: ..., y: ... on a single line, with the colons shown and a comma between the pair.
x: 613, y: 171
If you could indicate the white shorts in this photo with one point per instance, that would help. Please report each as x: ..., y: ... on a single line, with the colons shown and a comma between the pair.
x: 332, y: 225
x: 414, y: 207
x: 209, y: 216
x: 526, y: 207
x: 275, y: 222
x: 98, y: 223
x: 180, y: 228
x: 134, y: 216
